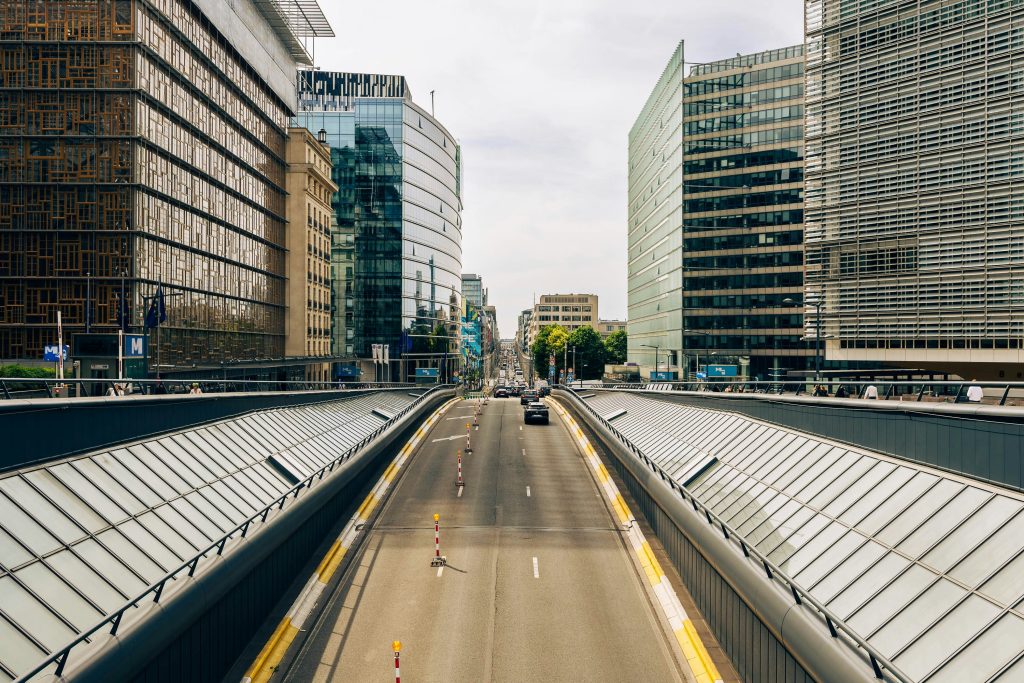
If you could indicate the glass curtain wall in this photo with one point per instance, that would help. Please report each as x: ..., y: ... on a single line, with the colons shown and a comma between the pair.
x: 743, y: 214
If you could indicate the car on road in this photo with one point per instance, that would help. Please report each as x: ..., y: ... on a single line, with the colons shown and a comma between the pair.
x: 528, y: 396
x: 500, y: 392
x: 535, y: 412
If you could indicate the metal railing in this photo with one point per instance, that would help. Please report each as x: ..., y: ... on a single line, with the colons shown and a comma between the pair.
x: 771, y: 571
x: 155, y: 590
x: 33, y: 387
x: 888, y: 390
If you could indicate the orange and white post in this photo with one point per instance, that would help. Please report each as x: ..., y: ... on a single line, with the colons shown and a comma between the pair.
x: 397, y: 647
x: 469, y: 443
x: 459, y: 482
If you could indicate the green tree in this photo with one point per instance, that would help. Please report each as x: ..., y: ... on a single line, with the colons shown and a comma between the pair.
x: 550, y: 340
x: 590, y: 352
x: 615, y: 347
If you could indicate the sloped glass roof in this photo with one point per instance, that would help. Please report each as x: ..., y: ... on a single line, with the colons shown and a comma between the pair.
x: 81, y: 537
x: 926, y: 566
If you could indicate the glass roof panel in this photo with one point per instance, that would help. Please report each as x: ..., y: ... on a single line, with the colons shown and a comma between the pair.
x: 55, y: 592
x: 987, y: 655
x: 17, y: 651
x: 32, y: 616
x: 917, y: 616
x: 951, y: 632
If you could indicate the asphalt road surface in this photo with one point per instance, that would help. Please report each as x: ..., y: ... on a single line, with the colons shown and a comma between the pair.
x: 538, y: 587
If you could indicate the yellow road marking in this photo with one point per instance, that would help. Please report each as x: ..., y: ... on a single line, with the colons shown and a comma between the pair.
x: 694, y: 651
x: 273, y: 652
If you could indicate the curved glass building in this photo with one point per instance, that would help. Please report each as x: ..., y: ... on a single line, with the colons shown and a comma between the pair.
x: 397, y: 249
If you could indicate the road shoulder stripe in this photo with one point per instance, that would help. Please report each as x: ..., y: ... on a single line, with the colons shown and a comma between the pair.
x: 694, y: 651
x: 274, y: 651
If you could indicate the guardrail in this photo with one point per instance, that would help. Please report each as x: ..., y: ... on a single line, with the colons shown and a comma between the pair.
x: 155, y: 590
x: 33, y: 387
x: 771, y: 571
x: 916, y: 390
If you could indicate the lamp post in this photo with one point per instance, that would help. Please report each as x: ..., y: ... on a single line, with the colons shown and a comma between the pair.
x: 817, y: 303
x: 649, y: 346
x: 574, y: 362
x: 697, y: 353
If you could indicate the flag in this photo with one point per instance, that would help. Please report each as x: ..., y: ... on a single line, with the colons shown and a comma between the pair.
x: 124, y: 314
x: 157, y: 313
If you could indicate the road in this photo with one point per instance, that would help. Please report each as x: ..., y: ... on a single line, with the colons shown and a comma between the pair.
x: 538, y: 586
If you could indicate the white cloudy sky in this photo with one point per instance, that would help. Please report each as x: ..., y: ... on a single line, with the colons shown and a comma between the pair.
x: 541, y: 94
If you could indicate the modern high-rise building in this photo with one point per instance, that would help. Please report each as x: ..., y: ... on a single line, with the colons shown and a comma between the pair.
x: 473, y: 289
x: 915, y: 199
x: 716, y: 217
x: 398, y: 208
x: 142, y: 146
x: 308, y: 265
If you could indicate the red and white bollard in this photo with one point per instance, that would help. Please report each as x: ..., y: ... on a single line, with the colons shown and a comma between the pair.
x: 459, y: 482
x: 469, y: 443
x: 397, y: 647
x: 476, y: 421
x: 438, y: 560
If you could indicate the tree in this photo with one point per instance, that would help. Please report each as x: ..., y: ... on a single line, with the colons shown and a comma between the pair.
x: 615, y: 347
x: 590, y: 352
x: 550, y: 340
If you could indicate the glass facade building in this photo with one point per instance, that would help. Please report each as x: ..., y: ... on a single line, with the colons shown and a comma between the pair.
x: 915, y: 199
x: 140, y: 147
x: 716, y: 217
x: 399, y: 209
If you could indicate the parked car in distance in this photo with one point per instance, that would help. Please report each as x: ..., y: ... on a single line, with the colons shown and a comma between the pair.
x: 528, y: 396
x: 535, y: 412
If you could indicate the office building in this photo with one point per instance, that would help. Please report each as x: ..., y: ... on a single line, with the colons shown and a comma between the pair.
x: 568, y: 310
x: 608, y: 327
x: 308, y: 239
x: 398, y: 208
x: 915, y: 200
x: 523, y: 328
x: 143, y: 146
x: 716, y: 217
x: 473, y: 289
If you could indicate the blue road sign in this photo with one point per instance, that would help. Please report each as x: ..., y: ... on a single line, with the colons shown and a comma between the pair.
x: 426, y: 372
x: 50, y: 352
x: 723, y: 370
x: 135, y: 346
x: 702, y: 375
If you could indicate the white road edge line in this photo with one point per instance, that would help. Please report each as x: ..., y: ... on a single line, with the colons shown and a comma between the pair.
x: 460, y: 492
x: 439, y: 570
x: 536, y: 569
x: 527, y: 491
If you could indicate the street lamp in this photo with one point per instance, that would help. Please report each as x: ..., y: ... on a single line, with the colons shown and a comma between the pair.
x: 649, y: 346
x: 817, y: 303
x: 706, y: 334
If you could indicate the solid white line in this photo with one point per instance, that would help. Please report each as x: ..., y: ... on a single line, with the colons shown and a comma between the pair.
x: 520, y: 427
x: 460, y: 492
x: 447, y: 438
x: 439, y: 570
x: 536, y: 569
x: 527, y: 491
x: 524, y: 451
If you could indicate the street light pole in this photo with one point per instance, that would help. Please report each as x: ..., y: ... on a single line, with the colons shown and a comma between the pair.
x: 656, y: 348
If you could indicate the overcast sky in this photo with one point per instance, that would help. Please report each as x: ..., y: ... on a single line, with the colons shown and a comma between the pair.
x: 541, y: 94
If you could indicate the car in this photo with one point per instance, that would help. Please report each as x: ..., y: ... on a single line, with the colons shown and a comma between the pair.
x: 500, y: 392
x: 528, y: 397
x: 515, y: 390
x: 535, y: 411
x: 544, y: 390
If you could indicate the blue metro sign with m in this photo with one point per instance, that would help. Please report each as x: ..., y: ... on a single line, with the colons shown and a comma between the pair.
x: 135, y: 346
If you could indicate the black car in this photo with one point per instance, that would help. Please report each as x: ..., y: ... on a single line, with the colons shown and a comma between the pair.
x: 544, y: 391
x: 535, y: 411
x: 500, y: 392
x: 528, y: 396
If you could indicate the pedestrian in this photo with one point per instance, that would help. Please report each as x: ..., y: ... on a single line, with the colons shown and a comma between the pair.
x: 820, y: 390
x: 112, y: 391
x: 871, y: 392
x: 195, y: 388
x: 975, y: 393
x: 160, y: 388
x: 841, y: 392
